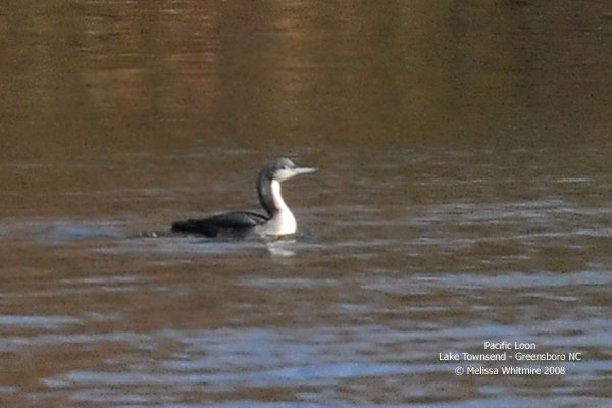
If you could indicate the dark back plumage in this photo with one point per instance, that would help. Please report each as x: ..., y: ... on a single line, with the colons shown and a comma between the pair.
x: 235, y: 224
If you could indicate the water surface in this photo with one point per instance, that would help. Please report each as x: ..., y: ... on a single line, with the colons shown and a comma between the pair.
x: 464, y: 195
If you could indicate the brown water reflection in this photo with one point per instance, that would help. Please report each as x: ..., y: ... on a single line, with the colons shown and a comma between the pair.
x: 167, y: 74
x: 464, y: 196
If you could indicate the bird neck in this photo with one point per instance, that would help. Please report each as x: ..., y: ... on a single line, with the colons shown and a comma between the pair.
x: 277, y: 197
x: 270, y: 196
x: 267, y: 195
x: 281, y: 221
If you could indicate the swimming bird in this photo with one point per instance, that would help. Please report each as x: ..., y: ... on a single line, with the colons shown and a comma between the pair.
x: 278, y: 221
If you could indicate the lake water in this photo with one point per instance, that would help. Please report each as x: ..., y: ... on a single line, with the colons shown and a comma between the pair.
x: 464, y: 196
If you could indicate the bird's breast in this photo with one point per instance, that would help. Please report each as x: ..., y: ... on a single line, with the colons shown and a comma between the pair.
x: 281, y: 223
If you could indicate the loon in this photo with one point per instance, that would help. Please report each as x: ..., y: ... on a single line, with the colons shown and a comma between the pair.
x: 278, y: 221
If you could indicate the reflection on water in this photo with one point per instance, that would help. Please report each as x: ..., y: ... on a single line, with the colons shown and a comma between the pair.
x: 93, y: 79
x: 463, y: 196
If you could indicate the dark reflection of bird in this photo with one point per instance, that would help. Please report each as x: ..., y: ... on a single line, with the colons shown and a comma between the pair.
x: 278, y: 221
